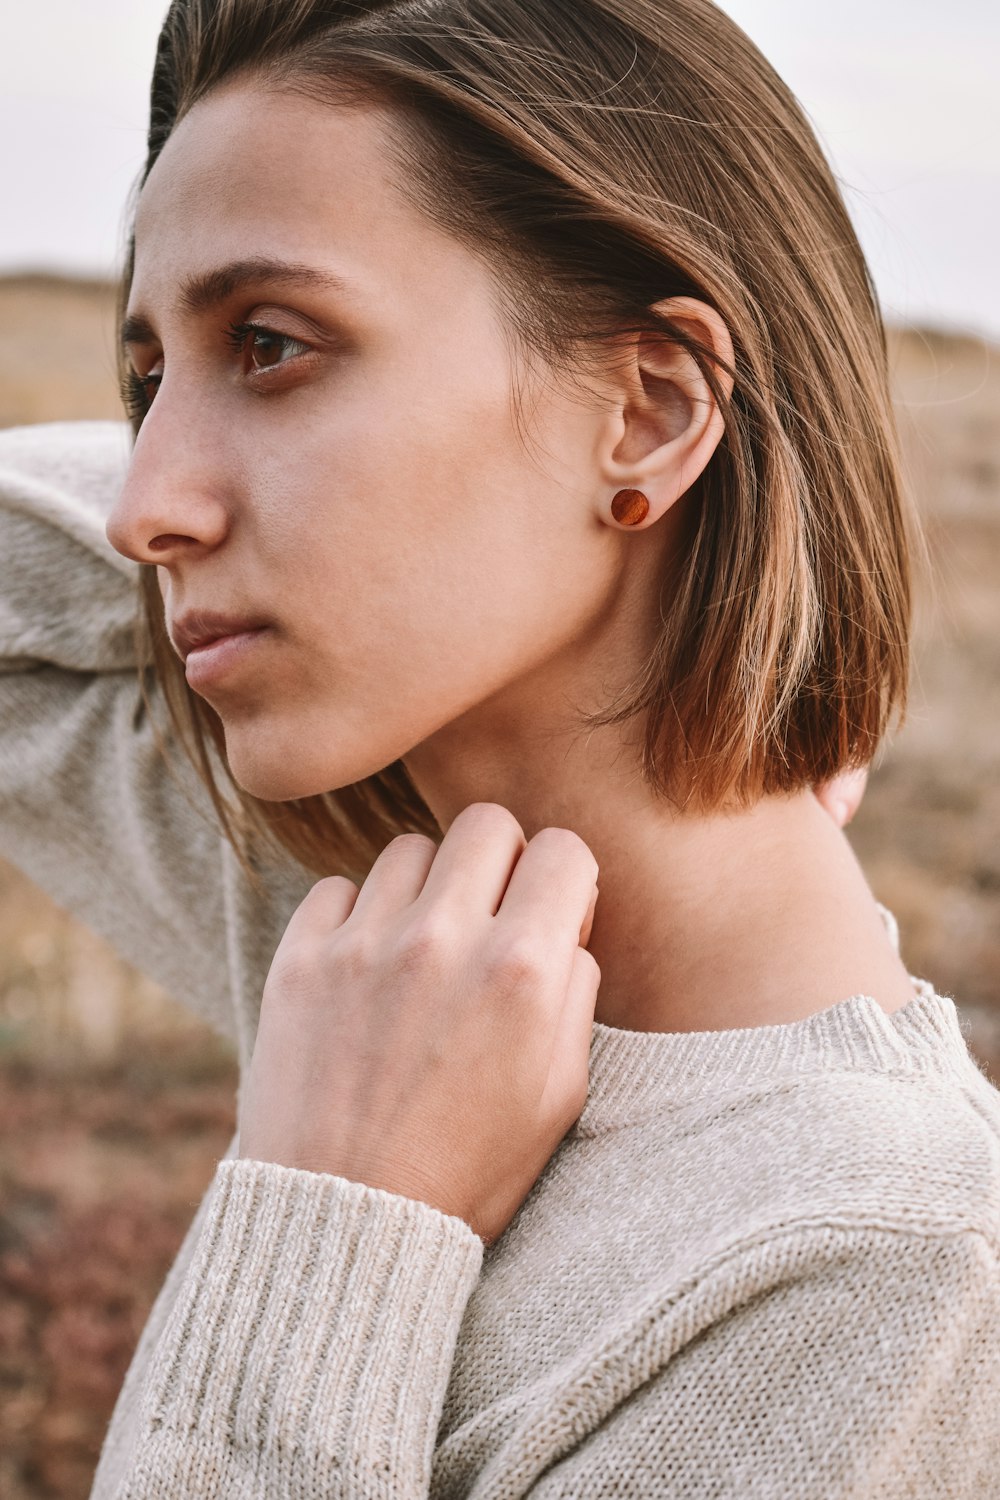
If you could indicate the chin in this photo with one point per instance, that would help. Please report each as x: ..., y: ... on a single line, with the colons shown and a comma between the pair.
x: 281, y: 772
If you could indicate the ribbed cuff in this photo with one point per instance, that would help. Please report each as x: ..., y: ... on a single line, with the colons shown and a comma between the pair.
x: 316, y: 1329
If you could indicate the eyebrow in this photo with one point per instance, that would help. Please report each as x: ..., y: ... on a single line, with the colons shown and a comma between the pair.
x: 209, y: 289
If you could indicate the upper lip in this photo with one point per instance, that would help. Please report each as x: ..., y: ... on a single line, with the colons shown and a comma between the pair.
x: 200, y: 626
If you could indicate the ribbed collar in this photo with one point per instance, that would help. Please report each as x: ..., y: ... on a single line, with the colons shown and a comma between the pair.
x: 635, y: 1074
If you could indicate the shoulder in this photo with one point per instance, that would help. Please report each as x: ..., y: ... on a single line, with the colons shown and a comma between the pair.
x: 896, y: 1150
x: 838, y: 1197
x: 905, y: 1147
x: 855, y: 1119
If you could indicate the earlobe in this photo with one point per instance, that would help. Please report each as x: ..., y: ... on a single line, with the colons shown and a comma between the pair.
x: 668, y: 422
x: 630, y: 507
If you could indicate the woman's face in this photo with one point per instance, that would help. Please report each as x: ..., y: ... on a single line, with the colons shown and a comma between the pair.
x: 352, y: 475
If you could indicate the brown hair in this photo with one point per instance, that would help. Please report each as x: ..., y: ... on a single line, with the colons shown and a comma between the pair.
x: 605, y: 155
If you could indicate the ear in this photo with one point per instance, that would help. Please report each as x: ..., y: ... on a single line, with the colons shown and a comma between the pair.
x: 664, y: 423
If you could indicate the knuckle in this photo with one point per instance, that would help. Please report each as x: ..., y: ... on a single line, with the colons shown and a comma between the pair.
x: 517, y: 964
x: 398, y: 860
x: 334, y: 885
x: 488, y: 818
x: 565, y: 844
x: 351, y: 961
x: 425, y: 942
x: 355, y: 947
x: 297, y: 968
x: 327, y: 899
x: 406, y: 846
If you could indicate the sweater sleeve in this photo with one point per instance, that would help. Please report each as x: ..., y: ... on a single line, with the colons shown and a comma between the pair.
x: 87, y: 807
x: 853, y: 1365
x: 309, y: 1349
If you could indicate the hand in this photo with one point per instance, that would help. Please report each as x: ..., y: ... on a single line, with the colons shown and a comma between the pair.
x: 430, y: 1033
x: 842, y: 796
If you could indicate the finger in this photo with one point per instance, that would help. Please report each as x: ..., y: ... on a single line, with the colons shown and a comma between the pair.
x: 588, y: 921
x: 552, y: 888
x: 475, y: 860
x: 397, y: 877
x: 327, y: 905
x: 571, y: 1046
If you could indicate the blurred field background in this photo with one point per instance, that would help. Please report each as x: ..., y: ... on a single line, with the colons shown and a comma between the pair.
x: 115, y: 1105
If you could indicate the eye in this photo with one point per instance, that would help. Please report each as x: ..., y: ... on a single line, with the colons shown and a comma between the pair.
x: 264, y: 347
x: 137, y: 391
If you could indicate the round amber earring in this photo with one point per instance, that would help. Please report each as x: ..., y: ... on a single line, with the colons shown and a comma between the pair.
x: 629, y: 507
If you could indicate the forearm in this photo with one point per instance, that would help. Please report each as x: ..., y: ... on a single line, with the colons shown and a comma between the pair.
x: 67, y: 598
x: 310, y: 1347
x: 88, y: 809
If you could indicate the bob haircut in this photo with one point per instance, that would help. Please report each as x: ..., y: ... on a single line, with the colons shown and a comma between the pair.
x: 603, y: 155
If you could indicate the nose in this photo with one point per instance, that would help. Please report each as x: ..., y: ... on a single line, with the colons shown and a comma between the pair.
x: 172, y: 504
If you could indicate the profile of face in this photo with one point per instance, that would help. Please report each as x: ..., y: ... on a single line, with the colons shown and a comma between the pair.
x: 331, y: 449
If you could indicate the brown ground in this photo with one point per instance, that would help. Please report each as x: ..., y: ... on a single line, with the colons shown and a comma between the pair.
x: 114, y: 1107
x: 109, y: 1166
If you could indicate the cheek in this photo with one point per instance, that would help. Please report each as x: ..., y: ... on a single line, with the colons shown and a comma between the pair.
x: 432, y: 544
x: 392, y: 489
x: 420, y: 565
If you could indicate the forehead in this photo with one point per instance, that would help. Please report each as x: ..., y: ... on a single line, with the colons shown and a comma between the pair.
x: 252, y: 172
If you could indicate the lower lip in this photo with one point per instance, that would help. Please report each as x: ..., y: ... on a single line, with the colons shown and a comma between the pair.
x: 206, y: 664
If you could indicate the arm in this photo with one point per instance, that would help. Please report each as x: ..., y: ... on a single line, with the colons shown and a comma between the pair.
x: 828, y: 1364
x: 419, y: 1058
x: 87, y: 808
x: 422, y: 1049
x: 309, y: 1349
x: 856, y: 1365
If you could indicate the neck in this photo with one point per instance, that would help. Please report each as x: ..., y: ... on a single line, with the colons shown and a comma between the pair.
x: 703, y: 922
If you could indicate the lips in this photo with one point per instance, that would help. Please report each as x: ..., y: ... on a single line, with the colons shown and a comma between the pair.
x: 200, y: 627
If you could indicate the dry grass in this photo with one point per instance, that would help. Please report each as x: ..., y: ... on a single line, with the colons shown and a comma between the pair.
x: 115, y: 1105
x: 929, y: 831
x: 57, y: 350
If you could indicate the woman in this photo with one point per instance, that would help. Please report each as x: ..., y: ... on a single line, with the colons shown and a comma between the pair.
x: 514, y: 462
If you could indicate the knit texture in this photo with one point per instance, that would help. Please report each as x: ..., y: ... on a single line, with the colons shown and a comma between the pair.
x: 763, y: 1263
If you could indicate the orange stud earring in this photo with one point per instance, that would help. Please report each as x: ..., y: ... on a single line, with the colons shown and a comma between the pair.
x: 629, y: 507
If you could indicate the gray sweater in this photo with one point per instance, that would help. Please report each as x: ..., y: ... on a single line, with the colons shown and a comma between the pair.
x: 764, y: 1262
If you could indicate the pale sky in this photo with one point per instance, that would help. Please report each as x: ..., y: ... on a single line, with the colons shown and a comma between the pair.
x: 903, y: 92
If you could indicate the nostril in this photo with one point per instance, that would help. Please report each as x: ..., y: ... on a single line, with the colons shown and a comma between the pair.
x: 166, y: 542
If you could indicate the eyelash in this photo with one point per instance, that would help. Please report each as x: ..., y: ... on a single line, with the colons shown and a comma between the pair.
x: 134, y: 386
x: 133, y: 393
x: 238, y: 333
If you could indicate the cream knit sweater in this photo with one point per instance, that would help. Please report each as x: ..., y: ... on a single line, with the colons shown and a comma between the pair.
x: 762, y: 1264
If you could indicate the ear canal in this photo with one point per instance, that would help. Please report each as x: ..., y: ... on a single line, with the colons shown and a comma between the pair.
x: 629, y: 507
